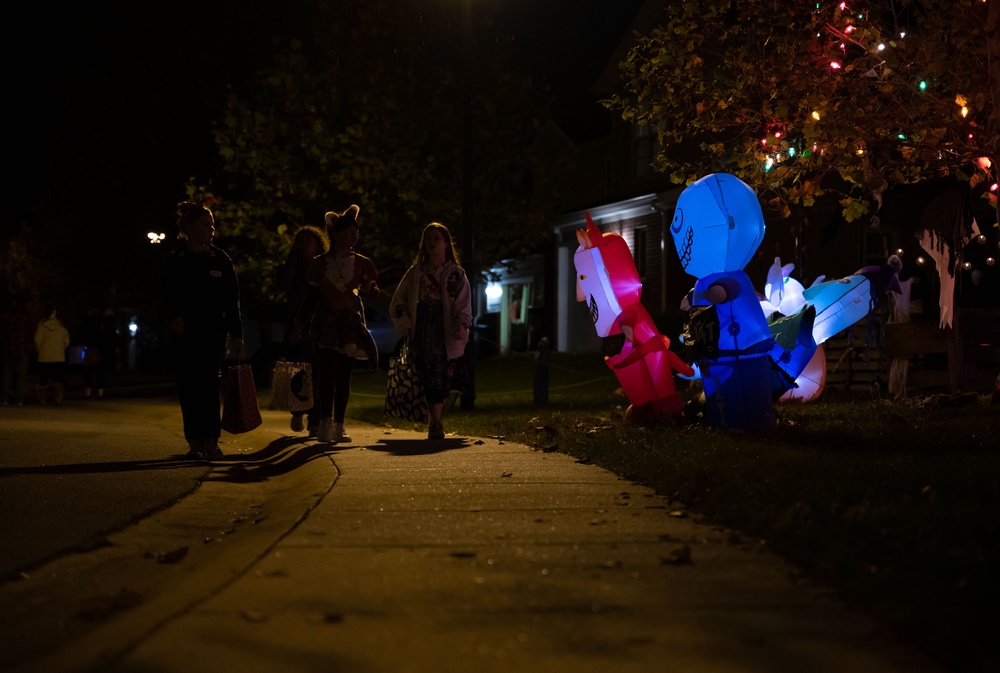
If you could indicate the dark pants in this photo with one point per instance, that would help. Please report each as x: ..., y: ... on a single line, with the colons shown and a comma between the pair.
x: 198, y: 364
x: 332, y: 372
x: 93, y: 375
x: 54, y: 371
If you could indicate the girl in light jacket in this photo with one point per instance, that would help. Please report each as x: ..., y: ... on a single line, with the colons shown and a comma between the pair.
x: 432, y: 306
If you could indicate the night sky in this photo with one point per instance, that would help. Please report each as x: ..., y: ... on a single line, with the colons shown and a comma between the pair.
x: 117, y: 98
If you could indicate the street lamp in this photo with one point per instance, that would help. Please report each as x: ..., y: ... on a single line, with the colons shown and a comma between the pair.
x: 155, y: 238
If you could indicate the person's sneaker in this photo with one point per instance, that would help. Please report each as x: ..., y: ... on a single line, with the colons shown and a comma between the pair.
x: 196, y: 450
x: 435, y: 432
x: 338, y: 433
x: 212, y: 450
x: 325, y: 433
x: 297, y: 424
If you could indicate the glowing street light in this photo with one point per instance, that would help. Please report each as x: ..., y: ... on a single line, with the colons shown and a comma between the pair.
x: 155, y: 238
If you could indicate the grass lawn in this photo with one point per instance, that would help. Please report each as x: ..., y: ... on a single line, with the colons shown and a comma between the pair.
x: 896, y: 505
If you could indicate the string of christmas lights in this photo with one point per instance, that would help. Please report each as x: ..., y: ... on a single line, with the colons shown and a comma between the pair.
x: 857, y: 47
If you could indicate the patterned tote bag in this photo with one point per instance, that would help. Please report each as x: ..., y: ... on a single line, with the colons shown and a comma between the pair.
x: 404, y: 397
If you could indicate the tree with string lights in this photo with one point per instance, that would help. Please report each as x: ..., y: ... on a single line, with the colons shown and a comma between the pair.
x: 820, y: 99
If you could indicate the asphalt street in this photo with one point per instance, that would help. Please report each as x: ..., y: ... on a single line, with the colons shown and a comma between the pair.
x: 71, y: 474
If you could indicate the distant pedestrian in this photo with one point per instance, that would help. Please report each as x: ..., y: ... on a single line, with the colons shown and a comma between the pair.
x: 432, y: 306
x: 309, y: 243
x: 99, y: 336
x: 202, y: 301
x: 17, y: 337
x: 51, y: 342
x: 333, y: 308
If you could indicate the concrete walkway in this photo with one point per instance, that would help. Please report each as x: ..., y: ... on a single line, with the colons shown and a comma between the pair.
x: 393, y: 553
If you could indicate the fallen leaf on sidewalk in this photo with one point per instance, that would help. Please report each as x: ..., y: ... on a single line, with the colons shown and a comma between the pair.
x: 174, y: 556
x: 253, y: 616
x: 679, y: 556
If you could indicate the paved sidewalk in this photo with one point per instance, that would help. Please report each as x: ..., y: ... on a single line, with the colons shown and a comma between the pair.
x: 394, y: 553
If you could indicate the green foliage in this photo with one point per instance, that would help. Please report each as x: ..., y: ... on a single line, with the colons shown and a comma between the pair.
x: 748, y: 88
x: 369, y: 110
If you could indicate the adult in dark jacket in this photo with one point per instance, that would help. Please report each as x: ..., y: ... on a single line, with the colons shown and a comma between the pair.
x: 202, y: 300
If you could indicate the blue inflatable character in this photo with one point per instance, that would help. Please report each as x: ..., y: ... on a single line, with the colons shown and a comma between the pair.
x: 717, y: 227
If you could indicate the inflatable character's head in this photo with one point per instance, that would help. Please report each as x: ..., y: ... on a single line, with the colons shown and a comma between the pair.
x: 606, y: 277
x: 782, y: 293
x: 717, y: 225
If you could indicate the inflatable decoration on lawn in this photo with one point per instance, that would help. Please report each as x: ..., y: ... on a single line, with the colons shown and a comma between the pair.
x: 608, y: 282
x: 717, y: 227
x: 782, y: 293
x: 801, y: 320
x: 841, y: 303
x: 798, y: 370
x: 606, y: 277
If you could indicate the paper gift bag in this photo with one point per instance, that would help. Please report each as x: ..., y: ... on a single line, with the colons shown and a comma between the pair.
x: 404, y: 396
x: 291, y: 386
x: 240, y: 412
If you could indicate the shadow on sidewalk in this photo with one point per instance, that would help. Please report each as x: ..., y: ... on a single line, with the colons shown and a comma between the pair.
x: 170, y: 463
x: 279, y: 457
x: 419, y: 447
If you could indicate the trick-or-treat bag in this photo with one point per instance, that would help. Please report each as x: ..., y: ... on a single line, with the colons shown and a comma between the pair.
x: 240, y: 412
x: 404, y: 396
x: 291, y: 386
